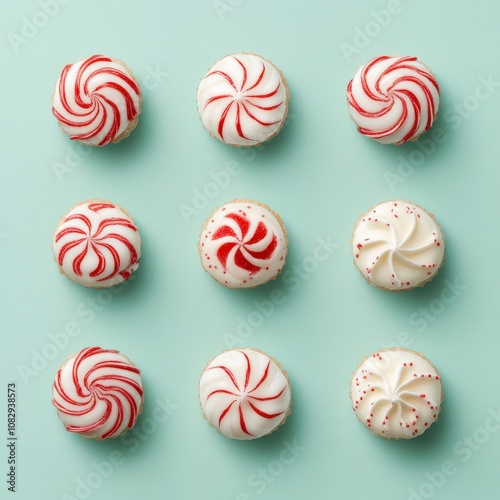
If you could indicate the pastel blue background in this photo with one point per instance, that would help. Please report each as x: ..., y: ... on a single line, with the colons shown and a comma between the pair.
x: 320, y: 175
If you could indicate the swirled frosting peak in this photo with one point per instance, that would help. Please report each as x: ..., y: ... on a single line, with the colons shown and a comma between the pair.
x: 243, y: 244
x: 396, y: 393
x: 98, y: 393
x: 96, y: 101
x: 244, y: 394
x: 393, y: 99
x: 397, y: 245
x: 97, y: 244
x: 242, y: 100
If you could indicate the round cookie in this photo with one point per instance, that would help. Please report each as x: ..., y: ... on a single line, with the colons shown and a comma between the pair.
x: 98, y: 393
x: 243, y: 244
x: 97, y: 101
x: 393, y: 99
x: 97, y: 244
x: 397, y: 246
x: 396, y: 393
x: 243, y: 100
x: 245, y: 394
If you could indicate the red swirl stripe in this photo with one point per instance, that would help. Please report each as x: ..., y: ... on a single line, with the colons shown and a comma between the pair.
x: 93, y: 95
x: 243, y: 100
x: 243, y: 240
x: 244, y: 397
x: 113, y: 381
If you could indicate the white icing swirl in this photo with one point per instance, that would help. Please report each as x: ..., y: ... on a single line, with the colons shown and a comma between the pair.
x: 98, y: 393
x: 397, y: 246
x: 243, y: 245
x: 244, y: 394
x: 393, y: 99
x: 97, y: 244
x: 396, y: 394
x: 242, y: 100
x: 96, y: 101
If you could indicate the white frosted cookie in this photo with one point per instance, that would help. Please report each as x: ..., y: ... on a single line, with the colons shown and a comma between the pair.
x: 397, y: 245
x: 396, y: 393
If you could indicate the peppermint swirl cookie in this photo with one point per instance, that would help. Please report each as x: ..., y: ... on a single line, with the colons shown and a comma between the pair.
x: 97, y: 101
x: 396, y: 393
x: 98, y: 393
x: 243, y: 244
x: 243, y: 100
x: 97, y: 244
x: 397, y: 246
x: 393, y: 99
x: 244, y: 394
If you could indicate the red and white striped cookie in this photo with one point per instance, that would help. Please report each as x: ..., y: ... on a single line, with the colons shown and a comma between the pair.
x: 97, y: 244
x: 97, y: 101
x: 393, y: 99
x: 244, y: 394
x: 98, y: 393
x: 243, y: 100
x: 243, y: 244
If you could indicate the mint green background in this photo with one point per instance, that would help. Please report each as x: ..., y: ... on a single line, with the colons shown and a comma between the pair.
x: 320, y: 175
